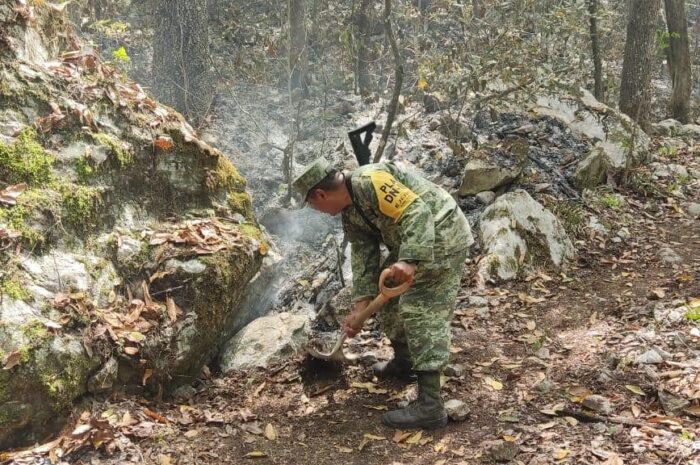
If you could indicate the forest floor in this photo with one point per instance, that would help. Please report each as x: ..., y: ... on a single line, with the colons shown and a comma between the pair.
x: 545, y: 343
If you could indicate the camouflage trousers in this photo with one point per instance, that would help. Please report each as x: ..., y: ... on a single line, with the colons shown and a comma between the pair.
x: 422, y: 316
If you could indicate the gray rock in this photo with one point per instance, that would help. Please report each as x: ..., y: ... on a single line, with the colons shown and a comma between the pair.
x: 668, y: 170
x: 128, y: 248
x: 671, y: 403
x: 667, y: 127
x: 669, y: 315
x: 650, y: 357
x: 592, y: 170
x: 668, y: 255
x: 434, y: 124
x: 184, y: 392
x: 483, y: 313
x: 624, y: 234
x: 482, y: 175
x: 694, y: 210
x: 192, y: 266
x: 455, y: 370
x: 457, y: 410
x: 598, y: 404
x: 513, y: 224
x: 543, y: 353
x: 544, y: 386
x: 454, y: 129
x: 503, y: 451
x: 477, y: 301
x: 266, y: 340
x: 596, y: 226
x: 486, y: 197
x: 104, y: 379
x: 611, y: 130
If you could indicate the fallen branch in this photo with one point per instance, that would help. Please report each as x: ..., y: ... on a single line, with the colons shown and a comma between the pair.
x: 592, y: 418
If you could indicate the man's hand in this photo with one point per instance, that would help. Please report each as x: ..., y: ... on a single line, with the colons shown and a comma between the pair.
x: 352, y: 324
x: 402, y: 271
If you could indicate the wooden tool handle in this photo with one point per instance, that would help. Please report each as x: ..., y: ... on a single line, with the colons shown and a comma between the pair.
x: 385, y: 293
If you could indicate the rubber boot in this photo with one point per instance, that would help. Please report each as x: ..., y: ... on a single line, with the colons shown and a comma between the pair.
x: 426, y: 412
x: 399, y: 367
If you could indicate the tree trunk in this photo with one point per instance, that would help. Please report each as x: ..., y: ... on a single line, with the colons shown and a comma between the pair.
x: 182, y: 74
x: 478, y: 9
x: 678, y: 60
x: 298, y: 61
x: 640, y: 46
x: 364, y: 86
x: 595, y: 48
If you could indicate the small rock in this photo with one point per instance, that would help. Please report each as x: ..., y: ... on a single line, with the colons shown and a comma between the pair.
x: 544, y: 386
x: 650, y: 357
x: 483, y: 313
x: 617, y: 240
x: 605, y: 376
x: 368, y: 358
x: 668, y: 255
x: 543, y: 353
x: 454, y: 370
x: 671, y: 403
x: 598, y: 404
x: 694, y: 210
x: 503, y: 451
x: 624, y: 234
x: 457, y: 410
x: 184, y: 392
x: 600, y: 428
x: 477, y: 301
x: 486, y: 197
x: 103, y: 380
x: 434, y: 124
x: 595, y: 226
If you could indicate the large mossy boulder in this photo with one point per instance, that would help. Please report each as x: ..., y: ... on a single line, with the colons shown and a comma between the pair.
x: 518, y: 233
x: 617, y: 142
x: 127, y: 242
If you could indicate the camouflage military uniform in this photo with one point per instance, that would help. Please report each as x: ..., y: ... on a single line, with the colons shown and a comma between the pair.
x: 416, y: 220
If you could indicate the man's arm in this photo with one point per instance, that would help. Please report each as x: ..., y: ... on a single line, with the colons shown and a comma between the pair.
x: 364, y: 260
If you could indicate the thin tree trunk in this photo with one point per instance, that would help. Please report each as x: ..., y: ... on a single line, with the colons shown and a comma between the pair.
x: 679, y: 59
x: 298, y: 61
x: 398, y: 81
x: 478, y: 9
x: 181, y: 63
x: 640, y: 45
x: 363, y: 49
x: 595, y: 48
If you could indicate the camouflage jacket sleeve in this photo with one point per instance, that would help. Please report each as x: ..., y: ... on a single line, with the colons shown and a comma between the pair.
x: 417, y: 232
x: 364, y: 259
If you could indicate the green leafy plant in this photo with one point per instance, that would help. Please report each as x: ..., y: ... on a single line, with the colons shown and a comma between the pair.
x: 120, y: 56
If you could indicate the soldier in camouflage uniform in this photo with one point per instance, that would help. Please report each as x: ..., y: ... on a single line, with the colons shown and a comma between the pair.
x: 427, y: 237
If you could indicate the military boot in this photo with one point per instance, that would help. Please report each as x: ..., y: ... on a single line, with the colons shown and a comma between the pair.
x: 426, y: 412
x: 399, y: 367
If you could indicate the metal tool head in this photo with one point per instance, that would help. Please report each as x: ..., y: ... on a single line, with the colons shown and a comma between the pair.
x: 336, y: 354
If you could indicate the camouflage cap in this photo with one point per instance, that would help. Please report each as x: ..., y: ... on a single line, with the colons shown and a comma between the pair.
x: 312, y: 175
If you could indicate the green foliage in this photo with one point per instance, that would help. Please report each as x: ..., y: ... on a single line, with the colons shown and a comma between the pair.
x: 80, y: 204
x: 84, y: 168
x: 120, y: 55
x: 669, y: 151
x: 663, y: 39
x: 611, y: 201
x: 111, y: 29
x: 25, y: 160
x: 693, y: 314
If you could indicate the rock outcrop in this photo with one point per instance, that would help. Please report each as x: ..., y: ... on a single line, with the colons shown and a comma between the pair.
x: 617, y: 141
x: 126, y: 241
x: 517, y: 232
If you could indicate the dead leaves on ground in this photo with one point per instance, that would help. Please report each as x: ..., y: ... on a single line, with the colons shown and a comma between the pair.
x: 204, y: 236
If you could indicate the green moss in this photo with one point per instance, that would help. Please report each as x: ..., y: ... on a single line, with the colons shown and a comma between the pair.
x: 25, y: 160
x: 226, y: 176
x: 80, y: 205
x: 84, y: 168
x: 116, y: 148
x: 17, y: 219
x: 35, y: 331
x: 14, y: 288
x: 64, y: 383
x: 494, y: 213
x: 240, y: 202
